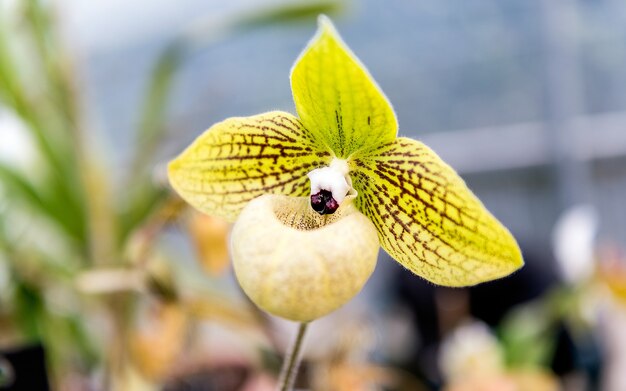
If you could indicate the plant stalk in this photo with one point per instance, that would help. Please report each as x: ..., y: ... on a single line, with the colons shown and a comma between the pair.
x: 292, y: 361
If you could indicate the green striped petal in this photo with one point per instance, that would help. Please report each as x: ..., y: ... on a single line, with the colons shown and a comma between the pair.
x: 336, y: 98
x: 427, y: 218
x: 240, y: 159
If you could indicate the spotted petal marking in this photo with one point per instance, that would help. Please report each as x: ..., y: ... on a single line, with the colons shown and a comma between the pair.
x: 242, y: 158
x: 427, y: 218
x: 336, y: 98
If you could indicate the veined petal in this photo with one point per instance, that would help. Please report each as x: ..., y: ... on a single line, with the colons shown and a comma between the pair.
x: 242, y: 158
x: 336, y: 98
x: 427, y: 218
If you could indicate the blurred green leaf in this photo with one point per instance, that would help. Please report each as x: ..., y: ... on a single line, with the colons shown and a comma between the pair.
x: 20, y: 190
x: 64, y: 199
x: 30, y: 306
x: 20, y: 187
x: 154, y: 112
x: 292, y: 12
x: 145, y: 202
x: 77, y: 334
x: 528, y: 336
x: 43, y: 35
x: 15, y: 94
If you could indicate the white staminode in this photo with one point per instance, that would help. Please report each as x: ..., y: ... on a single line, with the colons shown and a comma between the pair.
x: 331, y: 178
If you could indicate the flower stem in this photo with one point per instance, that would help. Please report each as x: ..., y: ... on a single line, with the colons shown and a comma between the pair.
x: 292, y: 361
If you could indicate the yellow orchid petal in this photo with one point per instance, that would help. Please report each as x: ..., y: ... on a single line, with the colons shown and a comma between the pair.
x: 427, y: 218
x: 242, y: 158
x: 336, y: 98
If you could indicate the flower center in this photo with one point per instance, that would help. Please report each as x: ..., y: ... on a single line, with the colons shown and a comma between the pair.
x: 329, y: 186
x: 323, y: 202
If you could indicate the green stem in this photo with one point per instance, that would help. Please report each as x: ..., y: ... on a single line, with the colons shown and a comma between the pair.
x: 292, y: 361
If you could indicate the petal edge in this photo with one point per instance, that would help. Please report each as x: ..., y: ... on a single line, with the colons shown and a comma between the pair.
x: 242, y: 158
x: 428, y: 220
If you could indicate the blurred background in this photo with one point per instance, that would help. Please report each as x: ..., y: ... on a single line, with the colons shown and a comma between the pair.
x: 109, y: 282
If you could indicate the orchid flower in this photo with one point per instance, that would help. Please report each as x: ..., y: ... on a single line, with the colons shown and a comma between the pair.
x: 339, y: 160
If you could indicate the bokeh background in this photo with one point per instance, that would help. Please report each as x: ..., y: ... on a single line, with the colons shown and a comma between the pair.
x: 107, y: 281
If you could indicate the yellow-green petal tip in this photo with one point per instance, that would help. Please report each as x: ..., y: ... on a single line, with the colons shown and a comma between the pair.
x: 337, y: 99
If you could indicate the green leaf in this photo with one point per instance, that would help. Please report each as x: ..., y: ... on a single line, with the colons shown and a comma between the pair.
x: 22, y: 192
x: 64, y: 199
x: 298, y: 11
x: 528, y: 336
x: 154, y: 111
x: 145, y: 201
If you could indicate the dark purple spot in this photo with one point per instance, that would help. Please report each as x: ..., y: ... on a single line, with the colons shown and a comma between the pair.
x: 324, y: 203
